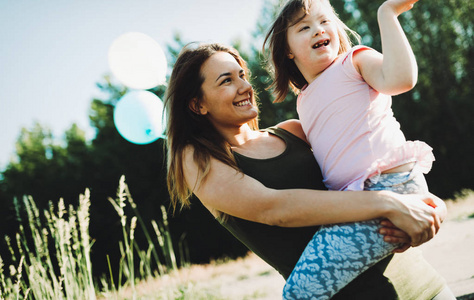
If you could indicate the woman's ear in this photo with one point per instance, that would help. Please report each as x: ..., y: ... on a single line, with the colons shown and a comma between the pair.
x: 291, y: 55
x: 196, y: 107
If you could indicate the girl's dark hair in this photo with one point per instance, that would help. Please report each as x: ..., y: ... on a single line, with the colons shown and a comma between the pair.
x: 187, y: 128
x: 285, y: 72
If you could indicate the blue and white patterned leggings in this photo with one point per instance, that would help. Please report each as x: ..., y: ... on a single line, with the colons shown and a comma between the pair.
x: 337, y: 254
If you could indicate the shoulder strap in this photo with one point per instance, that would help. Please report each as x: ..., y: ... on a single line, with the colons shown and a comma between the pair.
x: 287, y: 136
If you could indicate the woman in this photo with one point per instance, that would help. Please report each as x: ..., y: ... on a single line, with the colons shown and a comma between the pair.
x: 212, y: 136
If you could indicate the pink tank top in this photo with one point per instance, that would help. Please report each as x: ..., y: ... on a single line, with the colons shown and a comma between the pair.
x: 352, y: 129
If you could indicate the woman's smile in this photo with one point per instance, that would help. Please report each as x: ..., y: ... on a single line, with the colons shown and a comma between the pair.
x: 244, y: 102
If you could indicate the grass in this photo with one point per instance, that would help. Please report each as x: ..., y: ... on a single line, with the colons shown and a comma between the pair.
x: 462, y: 206
x: 51, y: 259
x: 243, y: 278
x: 50, y: 254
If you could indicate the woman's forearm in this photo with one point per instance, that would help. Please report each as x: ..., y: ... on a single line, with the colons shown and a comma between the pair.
x: 296, y: 208
x: 411, y: 213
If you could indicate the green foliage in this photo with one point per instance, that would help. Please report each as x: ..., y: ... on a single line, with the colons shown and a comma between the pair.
x: 51, y: 253
x: 51, y: 258
x: 437, y: 111
x: 270, y: 113
x: 42, y: 163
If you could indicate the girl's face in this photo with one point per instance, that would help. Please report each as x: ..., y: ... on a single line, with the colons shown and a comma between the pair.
x: 227, y: 99
x: 314, y: 41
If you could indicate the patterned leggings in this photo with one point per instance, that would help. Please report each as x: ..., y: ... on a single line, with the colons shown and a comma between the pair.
x: 337, y: 254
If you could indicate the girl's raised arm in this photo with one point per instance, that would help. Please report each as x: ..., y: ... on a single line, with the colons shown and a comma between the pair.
x: 395, y: 71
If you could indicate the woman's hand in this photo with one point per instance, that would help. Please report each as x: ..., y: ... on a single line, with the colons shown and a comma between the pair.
x: 439, y: 206
x: 420, y: 216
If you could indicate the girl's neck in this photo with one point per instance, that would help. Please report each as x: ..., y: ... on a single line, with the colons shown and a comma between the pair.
x: 311, y: 77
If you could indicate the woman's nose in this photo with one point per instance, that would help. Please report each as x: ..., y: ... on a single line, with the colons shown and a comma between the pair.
x: 245, y: 87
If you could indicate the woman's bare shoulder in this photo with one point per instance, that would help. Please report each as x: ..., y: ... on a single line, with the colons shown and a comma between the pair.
x: 294, y: 127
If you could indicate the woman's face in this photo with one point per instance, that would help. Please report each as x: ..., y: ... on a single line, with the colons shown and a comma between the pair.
x: 227, y: 95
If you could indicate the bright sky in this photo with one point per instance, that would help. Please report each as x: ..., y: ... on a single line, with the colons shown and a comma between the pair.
x: 53, y: 52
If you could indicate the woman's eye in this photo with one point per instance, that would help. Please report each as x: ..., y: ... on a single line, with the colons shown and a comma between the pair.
x: 225, y: 80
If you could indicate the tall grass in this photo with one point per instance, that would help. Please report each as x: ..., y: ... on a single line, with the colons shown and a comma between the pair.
x: 50, y: 253
x: 149, y: 263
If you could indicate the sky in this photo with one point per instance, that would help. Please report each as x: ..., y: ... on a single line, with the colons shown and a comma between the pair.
x: 52, y: 53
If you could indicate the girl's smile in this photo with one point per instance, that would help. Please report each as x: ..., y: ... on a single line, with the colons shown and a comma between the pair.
x: 320, y: 44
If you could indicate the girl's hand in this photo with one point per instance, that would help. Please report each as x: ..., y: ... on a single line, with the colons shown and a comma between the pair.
x: 394, y: 235
x: 398, y: 6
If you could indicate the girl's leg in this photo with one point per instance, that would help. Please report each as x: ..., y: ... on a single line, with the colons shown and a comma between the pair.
x: 339, y: 253
x: 335, y: 256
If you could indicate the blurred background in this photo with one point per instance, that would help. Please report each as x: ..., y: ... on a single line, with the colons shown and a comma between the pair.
x: 57, y: 98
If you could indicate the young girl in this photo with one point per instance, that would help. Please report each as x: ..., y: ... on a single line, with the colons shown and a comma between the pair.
x: 344, y: 105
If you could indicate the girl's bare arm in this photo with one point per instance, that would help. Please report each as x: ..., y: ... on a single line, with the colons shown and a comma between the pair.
x: 395, y: 71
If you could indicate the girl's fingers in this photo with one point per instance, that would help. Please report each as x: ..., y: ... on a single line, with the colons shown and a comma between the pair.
x: 394, y: 235
x: 387, y: 223
x: 401, y: 249
x: 397, y: 240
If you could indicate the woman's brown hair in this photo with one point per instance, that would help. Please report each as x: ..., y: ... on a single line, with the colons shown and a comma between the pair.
x: 187, y: 128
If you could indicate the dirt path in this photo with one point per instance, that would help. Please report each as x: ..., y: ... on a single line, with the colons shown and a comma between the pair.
x: 451, y: 253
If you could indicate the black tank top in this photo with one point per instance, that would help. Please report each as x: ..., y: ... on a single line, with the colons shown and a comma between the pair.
x: 281, y: 247
x: 296, y: 167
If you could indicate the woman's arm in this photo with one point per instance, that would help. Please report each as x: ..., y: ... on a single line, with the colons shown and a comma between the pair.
x: 234, y: 193
x: 391, y: 233
x: 395, y: 71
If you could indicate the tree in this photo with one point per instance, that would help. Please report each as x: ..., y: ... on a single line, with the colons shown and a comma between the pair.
x: 44, y: 170
x: 41, y: 164
x: 438, y: 110
x: 270, y: 113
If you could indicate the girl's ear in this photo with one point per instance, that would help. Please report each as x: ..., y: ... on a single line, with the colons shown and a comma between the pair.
x: 196, y: 107
x: 291, y: 55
